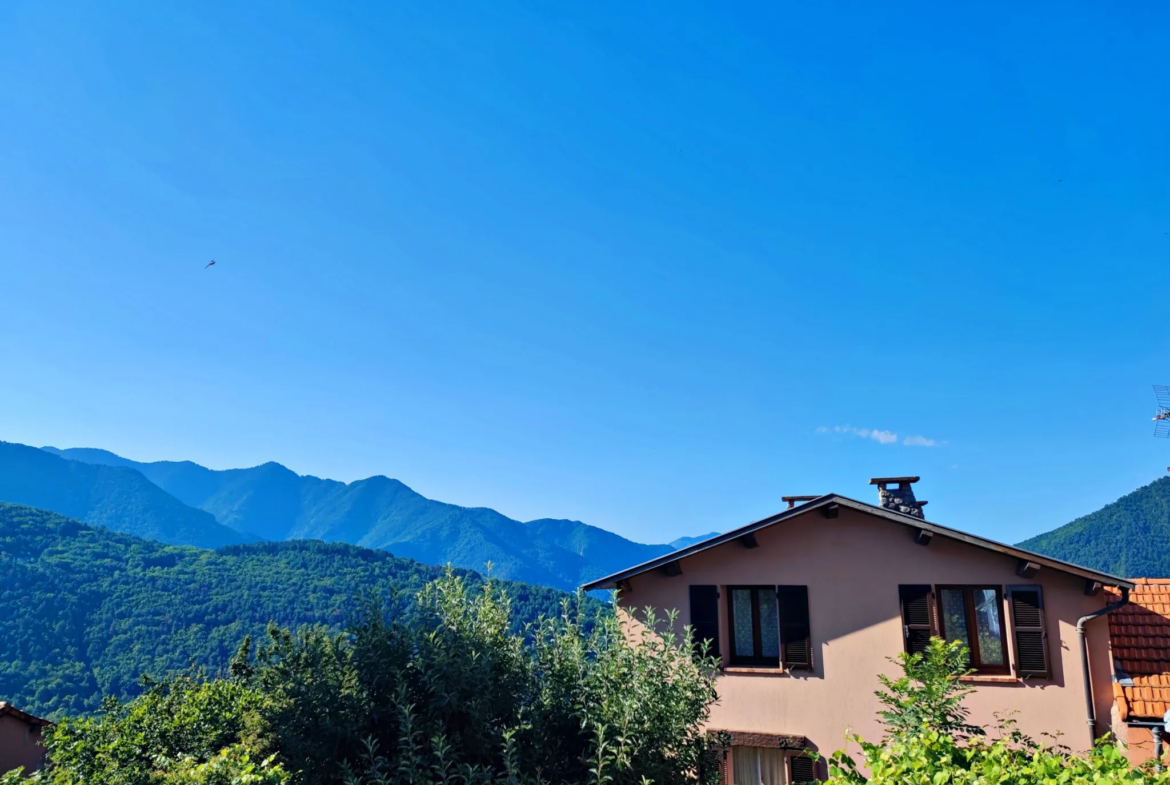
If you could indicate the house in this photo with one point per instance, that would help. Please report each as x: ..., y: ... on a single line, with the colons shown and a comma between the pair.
x: 20, y: 739
x: 1140, y: 637
x: 805, y: 608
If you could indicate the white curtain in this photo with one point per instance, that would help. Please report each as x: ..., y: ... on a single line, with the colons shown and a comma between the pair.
x: 757, y: 766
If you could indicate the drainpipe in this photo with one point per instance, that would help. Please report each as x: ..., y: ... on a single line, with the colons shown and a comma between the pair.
x: 1090, y: 714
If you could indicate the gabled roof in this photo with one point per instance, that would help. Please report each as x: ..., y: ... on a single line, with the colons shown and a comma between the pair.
x: 610, y: 581
x: 9, y: 709
x: 1140, y: 638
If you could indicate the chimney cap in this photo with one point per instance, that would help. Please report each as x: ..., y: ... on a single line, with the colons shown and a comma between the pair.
x: 887, y: 480
x: 798, y: 498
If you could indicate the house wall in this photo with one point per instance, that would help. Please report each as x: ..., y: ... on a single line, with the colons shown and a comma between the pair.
x: 853, y: 566
x: 19, y: 745
x: 1139, y: 744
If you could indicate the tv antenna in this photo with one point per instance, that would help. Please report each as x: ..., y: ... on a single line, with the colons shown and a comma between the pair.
x: 1162, y: 413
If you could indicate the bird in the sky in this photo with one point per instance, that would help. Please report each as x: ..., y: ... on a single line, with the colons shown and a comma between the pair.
x: 208, y: 264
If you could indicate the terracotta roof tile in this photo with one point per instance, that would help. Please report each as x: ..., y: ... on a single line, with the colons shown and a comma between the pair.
x: 1140, y: 637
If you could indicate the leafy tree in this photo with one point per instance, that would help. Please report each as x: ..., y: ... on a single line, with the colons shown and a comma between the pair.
x: 929, y: 694
x: 451, y: 693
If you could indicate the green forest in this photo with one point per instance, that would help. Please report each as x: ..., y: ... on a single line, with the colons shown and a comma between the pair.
x: 1126, y: 538
x: 85, y: 612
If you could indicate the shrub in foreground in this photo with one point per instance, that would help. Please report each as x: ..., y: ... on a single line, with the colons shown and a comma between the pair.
x: 448, y: 695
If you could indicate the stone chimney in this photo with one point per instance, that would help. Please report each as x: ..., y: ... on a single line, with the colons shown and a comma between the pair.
x: 900, y: 499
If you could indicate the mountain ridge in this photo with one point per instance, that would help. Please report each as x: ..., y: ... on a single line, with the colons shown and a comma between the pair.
x: 117, y: 497
x: 272, y: 502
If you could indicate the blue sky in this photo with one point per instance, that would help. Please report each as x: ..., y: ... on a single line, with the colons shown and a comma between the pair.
x: 649, y: 266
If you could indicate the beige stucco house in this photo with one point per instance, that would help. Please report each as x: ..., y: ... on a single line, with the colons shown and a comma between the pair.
x: 20, y: 739
x: 806, y: 607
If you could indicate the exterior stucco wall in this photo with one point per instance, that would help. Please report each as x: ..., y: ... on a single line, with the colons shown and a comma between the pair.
x: 19, y: 745
x: 853, y: 566
x: 1139, y: 745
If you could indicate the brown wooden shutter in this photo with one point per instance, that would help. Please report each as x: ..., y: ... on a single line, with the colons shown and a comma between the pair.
x: 802, y: 768
x: 917, y: 624
x: 795, y: 638
x: 1031, y: 637
x: 705, y: 617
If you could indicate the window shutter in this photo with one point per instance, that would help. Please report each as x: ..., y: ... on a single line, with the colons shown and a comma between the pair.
x: 705, y: 618
x: 1030, y: 635
x: 917, y: 624
x: 802, y: 768
x: 795, y: 640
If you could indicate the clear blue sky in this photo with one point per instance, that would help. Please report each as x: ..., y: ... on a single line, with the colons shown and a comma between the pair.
x: 650, y: 266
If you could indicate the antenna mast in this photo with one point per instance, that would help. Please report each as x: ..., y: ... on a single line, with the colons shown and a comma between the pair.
x: 1162, y: 413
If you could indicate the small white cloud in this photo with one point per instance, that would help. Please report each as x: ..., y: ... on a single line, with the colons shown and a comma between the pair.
x: 878, y: 435
x: 881, y: 436
x: 919, y: 441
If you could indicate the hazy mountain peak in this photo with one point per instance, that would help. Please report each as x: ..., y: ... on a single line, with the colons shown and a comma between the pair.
x: 274, y: 502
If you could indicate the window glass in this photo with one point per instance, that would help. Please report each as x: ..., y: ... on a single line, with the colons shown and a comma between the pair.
x: 741, y: 600
x: 987, y: 627
x: 955, y: 616
x: 757, y: 766
x: 769, y: 623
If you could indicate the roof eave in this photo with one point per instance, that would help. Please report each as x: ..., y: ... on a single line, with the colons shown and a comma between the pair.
x: 611, y: 581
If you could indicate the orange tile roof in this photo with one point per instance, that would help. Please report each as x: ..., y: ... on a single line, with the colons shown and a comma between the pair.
x: 1140, y: 636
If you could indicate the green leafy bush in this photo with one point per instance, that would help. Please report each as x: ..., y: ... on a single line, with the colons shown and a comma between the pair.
x: 450, y: 694
x: 929, y: 741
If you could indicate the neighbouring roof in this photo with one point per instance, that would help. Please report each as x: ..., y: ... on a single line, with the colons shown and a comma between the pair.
x: 1140, y: 637
x: 10, y: 710
x: 610, y: 581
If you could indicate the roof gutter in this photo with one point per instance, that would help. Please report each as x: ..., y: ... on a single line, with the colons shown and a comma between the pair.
x: 1090, y: 713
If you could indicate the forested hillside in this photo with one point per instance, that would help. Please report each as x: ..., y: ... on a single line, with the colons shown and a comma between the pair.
x: 85, y: 611
x: 275, y: 503
x: 1130, y: 537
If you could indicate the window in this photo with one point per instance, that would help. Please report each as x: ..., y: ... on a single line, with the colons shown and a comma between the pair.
x: 757, y: 766
x: 974, y: 615
x: 769, y: 626
x: 754, y: 622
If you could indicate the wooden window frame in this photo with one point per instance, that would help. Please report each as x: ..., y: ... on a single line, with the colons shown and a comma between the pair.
x: 972, y: 626
x: 757, y: 659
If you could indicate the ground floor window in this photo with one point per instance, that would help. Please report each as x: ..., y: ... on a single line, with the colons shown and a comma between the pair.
x: 757, y: 766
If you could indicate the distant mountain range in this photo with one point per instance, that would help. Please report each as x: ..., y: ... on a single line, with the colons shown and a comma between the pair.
x: 183, y: 503
x: 113, y: 496
x: 85, y: 611
x: 1130, y: 537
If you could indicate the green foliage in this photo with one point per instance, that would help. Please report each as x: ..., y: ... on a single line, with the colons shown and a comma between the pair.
x: 928, y: 694
x: 451, y: 694
x: 84, y: 611
x: 1126, y: 537
x: 933, y: 744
